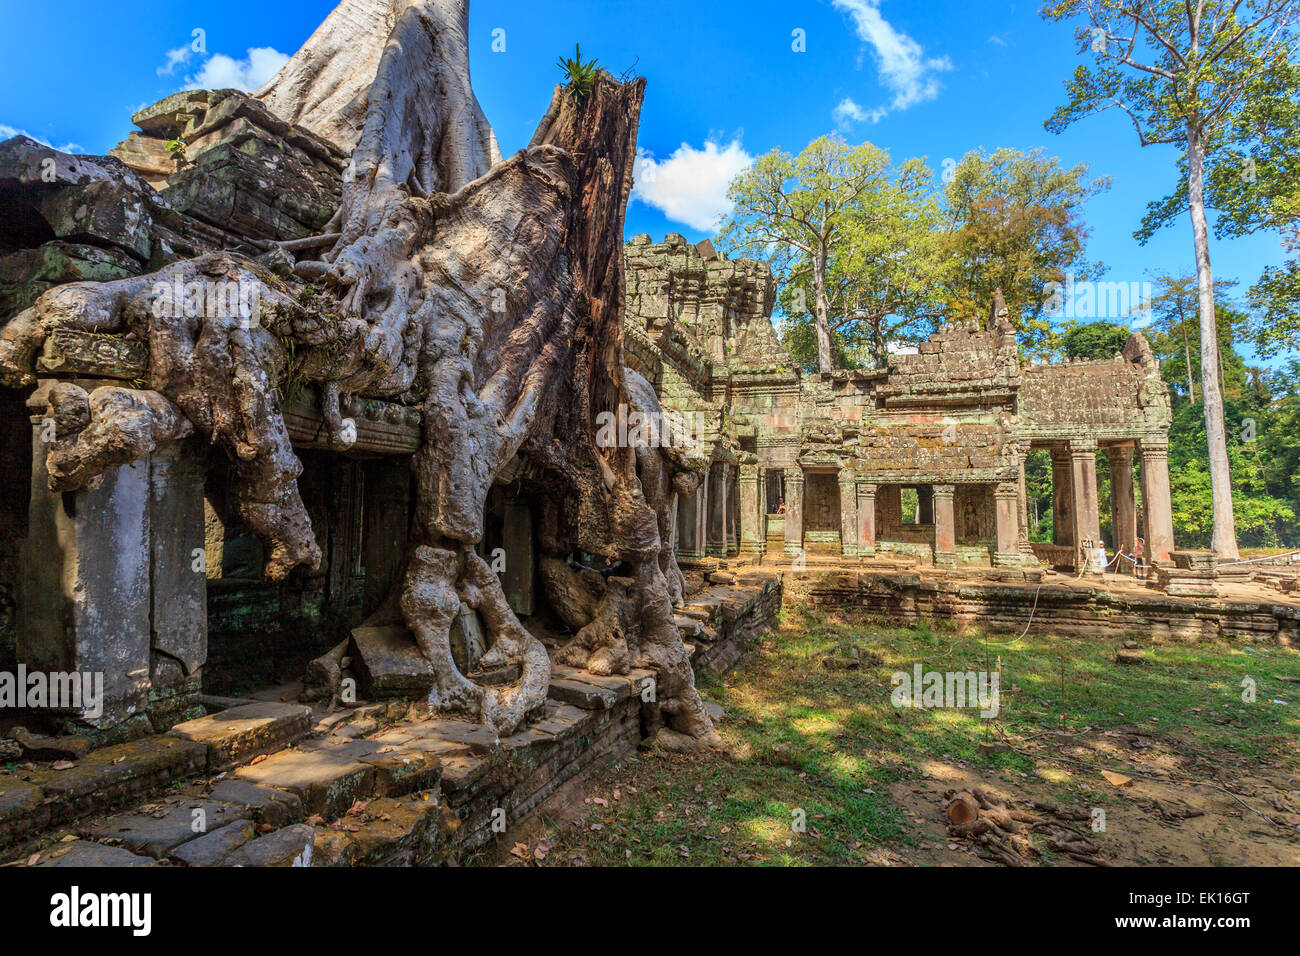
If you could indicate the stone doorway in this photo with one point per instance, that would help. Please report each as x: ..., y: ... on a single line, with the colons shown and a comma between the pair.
x: 821, y: 513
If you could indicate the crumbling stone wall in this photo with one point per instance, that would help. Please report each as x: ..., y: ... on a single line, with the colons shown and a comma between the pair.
x: 960, y: 413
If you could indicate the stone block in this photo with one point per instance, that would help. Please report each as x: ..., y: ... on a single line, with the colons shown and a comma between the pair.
x: 289, y: 847
x: 235, y: 736
x: 389, y: 664
x: 113, y: 776
x: 212, y: 848
x: 82, y: 855
x: 157, y: 836
x: 268, y: 805
x: 327, y: 784
x: 23, y: 812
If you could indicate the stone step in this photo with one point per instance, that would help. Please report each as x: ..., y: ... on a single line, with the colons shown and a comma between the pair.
x: 158, y: 836
x: 326, y: 783
x: 233, y: 737
x: 212, y: 848
x: 116, y: 776
x: 81, y: 853
x: 289, y: 847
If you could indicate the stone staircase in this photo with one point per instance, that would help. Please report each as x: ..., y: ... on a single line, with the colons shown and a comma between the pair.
x: 270, y: 783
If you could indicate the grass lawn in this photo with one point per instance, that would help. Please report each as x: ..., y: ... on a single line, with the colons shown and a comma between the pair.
x: 827, y: 747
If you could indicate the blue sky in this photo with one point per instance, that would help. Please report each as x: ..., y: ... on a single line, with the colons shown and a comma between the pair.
x: 933, y: 79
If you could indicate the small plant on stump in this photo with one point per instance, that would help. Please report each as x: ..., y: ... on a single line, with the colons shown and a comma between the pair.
x: 581, y: 76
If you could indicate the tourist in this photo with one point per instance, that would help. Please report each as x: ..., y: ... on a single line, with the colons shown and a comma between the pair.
x: 780, y: 506
x: 1139, y: 565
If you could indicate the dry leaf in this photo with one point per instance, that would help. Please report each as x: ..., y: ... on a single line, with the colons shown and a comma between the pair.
x: 1117, y: 779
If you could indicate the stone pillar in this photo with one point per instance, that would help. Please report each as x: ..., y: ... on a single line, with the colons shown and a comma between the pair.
x: 866, y: 521
x: 690, y: 543
x: 1027, y: 556
x: 1087, y: 520
x: 84, y: 600
x: 848, y: 515
x: 1155, y: 498
x: 733, y: 512
x: 718, y: 505
x: 794, y: 511
x: 945, y: 526
x: 702, y: 501
x: 1062, y: 498
x: 752, y: 520
x: 1006, y: 498
x: 178, y: 583
x: 925, y: 505
x: 1123, y: 503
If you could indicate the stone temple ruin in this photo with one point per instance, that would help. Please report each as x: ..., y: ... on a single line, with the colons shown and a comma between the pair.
x: 952, y: 424
x: 302, y: 459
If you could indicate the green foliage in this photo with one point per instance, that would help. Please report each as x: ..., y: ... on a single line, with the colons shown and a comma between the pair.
x: 581, y: 77
x: 869, y: 255
x: 1094, y: 340
x: 177, y: 148
x: 1015, y: 225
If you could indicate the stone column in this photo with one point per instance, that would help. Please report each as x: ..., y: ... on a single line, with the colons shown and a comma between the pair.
x: 1123, y: 503
x: 689, y: 542
x: 925, y: 505
x: 718, y: 505
x: 733, y: 512
x: 1006, y: 498
x: 1027, y: 556
x: 848, y: 514
x: 793, y: 511
x: 866, y: 521
x: 752, y: 532
x: 703, y: 502
x: 1087, y: 520
x: 178, y: 583
x: 1155, y: 497
x: 84, y: 599
x: 1062, y: 498
x: 945, y: 526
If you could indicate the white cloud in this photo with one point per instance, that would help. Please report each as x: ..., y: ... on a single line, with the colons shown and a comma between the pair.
x: 905, y: 70
x: 9, y: 132
x: 690, y: 186
x: 177, y: 57
x: 849, y: 112
x: 222, y: 72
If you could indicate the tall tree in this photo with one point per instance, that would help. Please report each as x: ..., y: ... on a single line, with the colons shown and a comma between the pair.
x: 1014, y: 227
x: 1181, y: 72
x: 882, y: 274
x: 796, y: 211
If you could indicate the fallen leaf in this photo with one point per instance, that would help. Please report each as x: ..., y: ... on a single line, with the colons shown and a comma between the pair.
x: 1117, y: 779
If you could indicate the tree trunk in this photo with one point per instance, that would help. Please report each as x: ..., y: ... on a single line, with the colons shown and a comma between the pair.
x: 825, y: 354
x: 1187, y: 354
x: 1225, y: 527
x: 490, y: 295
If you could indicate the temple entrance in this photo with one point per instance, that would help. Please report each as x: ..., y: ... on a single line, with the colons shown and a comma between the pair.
x: 821, y: 513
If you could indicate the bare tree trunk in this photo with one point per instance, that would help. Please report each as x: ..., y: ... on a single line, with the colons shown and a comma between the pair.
x: 825, y: 355
x: 1225, y: 528
x: 1187, y: 354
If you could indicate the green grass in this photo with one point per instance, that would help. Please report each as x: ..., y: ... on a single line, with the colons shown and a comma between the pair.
x: 830, y: 742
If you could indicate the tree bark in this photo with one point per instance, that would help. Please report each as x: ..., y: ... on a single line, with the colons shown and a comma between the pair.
x: 490, y: 295
x: 1225, y: 529
x: 825, y: 355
